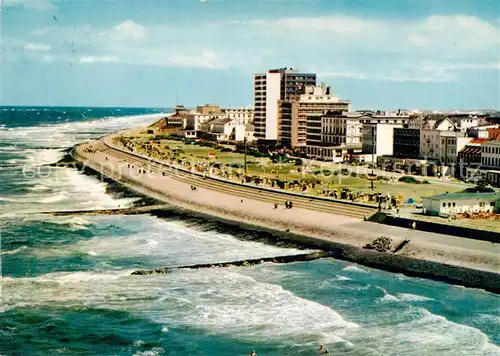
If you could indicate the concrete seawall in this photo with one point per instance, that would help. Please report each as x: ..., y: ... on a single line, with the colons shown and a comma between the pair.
x: 431, y: 226
x: 275, y: 233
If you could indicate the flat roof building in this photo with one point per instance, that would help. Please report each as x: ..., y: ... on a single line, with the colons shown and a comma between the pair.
x: 457, y: 203
x: 269, y: 89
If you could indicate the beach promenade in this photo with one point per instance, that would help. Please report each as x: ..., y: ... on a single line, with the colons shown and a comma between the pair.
x: 334, y: 223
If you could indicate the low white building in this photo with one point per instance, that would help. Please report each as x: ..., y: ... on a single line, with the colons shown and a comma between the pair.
x: 240, y: 115
x: 490, y: 154
x: 227, y: 130
x: 449, y: 204
x: 378, y: 139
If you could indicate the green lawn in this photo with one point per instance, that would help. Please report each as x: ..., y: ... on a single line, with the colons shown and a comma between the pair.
x: 288, y: 171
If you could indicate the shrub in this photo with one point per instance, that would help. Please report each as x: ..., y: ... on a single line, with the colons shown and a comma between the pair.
x: 408, y: 179
x: 426, y: 182
x: 226, y: 149
x: 480, y: 189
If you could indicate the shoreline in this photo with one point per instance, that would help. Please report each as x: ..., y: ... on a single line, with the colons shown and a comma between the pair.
x: 425, y: 260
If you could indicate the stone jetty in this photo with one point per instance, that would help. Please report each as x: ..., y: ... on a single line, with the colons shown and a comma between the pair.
x: 279, y: 259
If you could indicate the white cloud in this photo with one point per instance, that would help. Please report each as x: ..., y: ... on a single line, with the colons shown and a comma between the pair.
x: 126, y: 30
x: 97, y: 59
x: 37, y: 47
x: 434, y: 49
x: 36, y: 5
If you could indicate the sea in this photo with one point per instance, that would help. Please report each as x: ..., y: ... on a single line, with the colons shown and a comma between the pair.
x: 67, y: 288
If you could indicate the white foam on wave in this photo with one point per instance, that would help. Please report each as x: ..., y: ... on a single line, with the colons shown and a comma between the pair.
x: 219, y: 301
x: 388, y: 298
x: 407, y: 297
x: 417, y: 331
x: 172, y: 243
x: 15, y: 251
x: 354, y: 269
x: 54, y: 198
x: 8, y: 148
x: 39, y: 187
x: 8, y: 199
x: 82, y: 191
x: 155, y: 351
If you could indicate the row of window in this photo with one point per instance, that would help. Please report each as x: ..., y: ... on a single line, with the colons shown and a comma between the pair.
x: 491, y: 161
x: 453, y: 204
x: 488, y: 149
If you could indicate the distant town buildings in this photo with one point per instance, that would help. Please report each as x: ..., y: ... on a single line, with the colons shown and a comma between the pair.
x: 291, y: 111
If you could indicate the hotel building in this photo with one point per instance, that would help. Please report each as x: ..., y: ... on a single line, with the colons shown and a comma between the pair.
x: 301, y: 118
x: 269, y: 89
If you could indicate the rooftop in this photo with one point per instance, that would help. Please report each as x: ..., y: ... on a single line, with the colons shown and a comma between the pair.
x: 492, y: 143
x: 465, y: 196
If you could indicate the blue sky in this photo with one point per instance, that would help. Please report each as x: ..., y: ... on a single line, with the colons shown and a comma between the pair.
x: 428, y: 54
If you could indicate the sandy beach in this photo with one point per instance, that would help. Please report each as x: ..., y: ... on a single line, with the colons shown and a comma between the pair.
x: 328, y: 227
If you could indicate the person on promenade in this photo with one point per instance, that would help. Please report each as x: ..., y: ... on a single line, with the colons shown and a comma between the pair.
x: 290, y: 205
x: 286, y: 204
x: 252, y: 353
x: 275, y: 205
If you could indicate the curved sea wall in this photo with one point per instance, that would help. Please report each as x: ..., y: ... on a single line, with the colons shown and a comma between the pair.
x: 271, y: 230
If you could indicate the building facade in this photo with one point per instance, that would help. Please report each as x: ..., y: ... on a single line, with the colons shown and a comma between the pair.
x: 490, y: 155
x: 240, y: 115
x: 269, y: 89
x: 301, y: 119
x: 459, y: 203
x: 378, y: 138
x: 406, y: 142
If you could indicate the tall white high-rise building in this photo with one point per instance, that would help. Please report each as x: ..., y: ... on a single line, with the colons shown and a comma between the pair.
x: 269, y: 89
x: 266, y: 96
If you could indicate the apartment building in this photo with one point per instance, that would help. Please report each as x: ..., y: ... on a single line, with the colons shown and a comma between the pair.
x: 193, y: 120
x: 342, y: 128
x: 378, y: 138
x: 490, y: 155
x: 240, y: 115
x: 430, y: 137
x: 406, y: 142
x: 301, y: 122
x: 269, y: 89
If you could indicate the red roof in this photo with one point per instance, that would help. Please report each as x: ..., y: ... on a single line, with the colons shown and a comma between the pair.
x: 478, y: 141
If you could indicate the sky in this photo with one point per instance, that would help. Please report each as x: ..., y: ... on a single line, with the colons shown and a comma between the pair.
x: 412, y: 54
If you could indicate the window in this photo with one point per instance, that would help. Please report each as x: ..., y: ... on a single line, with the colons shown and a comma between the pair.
x: 444, y: 205
x: 454, y: 204
x: 481, y: 204
x: 492, y: 204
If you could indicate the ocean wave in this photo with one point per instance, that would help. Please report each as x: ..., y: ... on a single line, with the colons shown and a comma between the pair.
x: 221, y: 301
x: 9, y: 199
x: 39, y: 187
x: 407, y: 297
x: 354, y: 269
x: 8, y: 148
x: 388, y: 298
x: 54, y: 199
x: 417, y: 331
x: 15, y: 251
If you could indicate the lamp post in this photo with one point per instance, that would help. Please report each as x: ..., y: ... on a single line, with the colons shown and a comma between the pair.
x: 373, y: 160
x: 245, y: 157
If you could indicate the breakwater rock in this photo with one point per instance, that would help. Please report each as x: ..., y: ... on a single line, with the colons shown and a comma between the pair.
x: 380, y: 244
x: 279, y: 259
